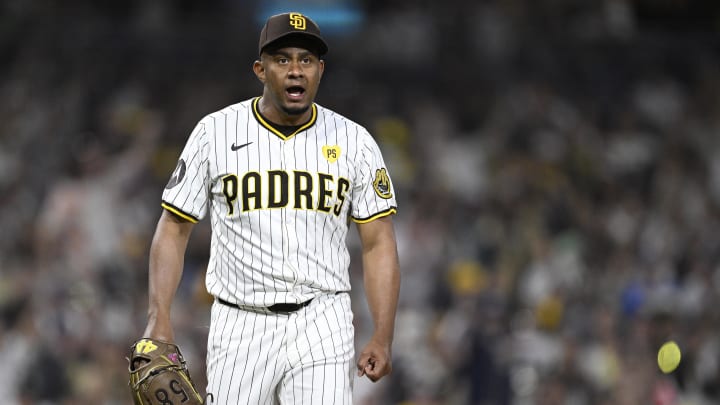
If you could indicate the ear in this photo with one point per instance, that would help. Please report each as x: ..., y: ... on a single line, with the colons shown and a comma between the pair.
x: 259, y: 70
x: 322, y: 67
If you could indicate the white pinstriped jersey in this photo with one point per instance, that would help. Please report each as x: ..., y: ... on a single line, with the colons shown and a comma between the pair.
x: 279, y: 204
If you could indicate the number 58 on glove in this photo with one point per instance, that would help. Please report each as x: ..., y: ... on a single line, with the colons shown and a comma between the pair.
x: 159, y: 375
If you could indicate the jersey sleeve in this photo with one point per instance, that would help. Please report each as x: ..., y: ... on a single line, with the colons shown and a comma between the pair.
x: 186, y: 194
x: 373, y: 195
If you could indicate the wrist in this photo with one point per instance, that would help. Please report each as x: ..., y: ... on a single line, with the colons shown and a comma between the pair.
x: 159, y: 329
x: 383, y: 338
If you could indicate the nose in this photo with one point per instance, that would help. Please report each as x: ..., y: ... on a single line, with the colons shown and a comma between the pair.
x: 295, y: 69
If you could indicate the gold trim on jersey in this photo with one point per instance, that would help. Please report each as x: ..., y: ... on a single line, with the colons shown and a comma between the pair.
x: 177, y: 211
x: 389, y: 211
x: 270, y: 128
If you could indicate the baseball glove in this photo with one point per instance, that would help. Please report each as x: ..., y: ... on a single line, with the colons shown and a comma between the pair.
x: 159, y: 375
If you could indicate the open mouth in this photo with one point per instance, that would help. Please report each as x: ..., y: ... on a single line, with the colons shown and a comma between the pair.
x: 295, y: 92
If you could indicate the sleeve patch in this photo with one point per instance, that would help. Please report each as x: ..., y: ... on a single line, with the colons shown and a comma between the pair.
x: 177, y: 176
x: 381, y: 184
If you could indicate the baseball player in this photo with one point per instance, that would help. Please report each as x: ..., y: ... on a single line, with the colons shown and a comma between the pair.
x: 281, y: 178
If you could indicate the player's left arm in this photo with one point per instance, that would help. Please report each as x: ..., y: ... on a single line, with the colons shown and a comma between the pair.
x: 382, y: 284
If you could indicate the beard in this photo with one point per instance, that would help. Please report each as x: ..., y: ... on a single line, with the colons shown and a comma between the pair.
x: 295, y: 110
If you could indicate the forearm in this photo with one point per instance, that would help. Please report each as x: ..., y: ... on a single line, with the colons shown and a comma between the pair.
x: 165, y: 274
x: 382, y: 284
x: 167, y: 254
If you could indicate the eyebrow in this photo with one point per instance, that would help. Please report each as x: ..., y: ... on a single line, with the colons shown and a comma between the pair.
x: 279, y: 52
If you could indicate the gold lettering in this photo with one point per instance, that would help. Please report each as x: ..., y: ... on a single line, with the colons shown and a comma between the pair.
x: 145, y: 346
x: 297, y: 21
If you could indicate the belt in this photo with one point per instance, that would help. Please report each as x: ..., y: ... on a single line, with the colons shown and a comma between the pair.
x: 281, y: 308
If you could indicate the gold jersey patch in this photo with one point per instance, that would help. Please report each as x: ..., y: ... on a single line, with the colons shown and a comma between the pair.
x: 331, y: 153
x: 381, y: 184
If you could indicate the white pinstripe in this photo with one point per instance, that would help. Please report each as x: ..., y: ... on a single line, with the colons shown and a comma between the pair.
x: 308, y: 360
x: 264, y: 256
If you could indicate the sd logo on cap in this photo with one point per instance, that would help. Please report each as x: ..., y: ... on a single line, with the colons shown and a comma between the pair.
x: 292, y: 29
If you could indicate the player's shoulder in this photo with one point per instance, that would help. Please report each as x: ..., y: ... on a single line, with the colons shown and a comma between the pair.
x: 330, y: 117
x: 210, y: 123
x: 235, y: 108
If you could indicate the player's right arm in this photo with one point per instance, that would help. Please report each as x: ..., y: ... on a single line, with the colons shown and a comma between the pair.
x: 185, y: 201
x: 167, y: 255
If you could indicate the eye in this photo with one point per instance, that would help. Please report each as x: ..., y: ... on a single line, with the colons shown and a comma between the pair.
x: 306, y: 60
x: 282, y: 61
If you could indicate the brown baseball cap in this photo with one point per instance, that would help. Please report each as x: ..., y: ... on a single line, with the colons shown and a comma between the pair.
x: 292, y: 29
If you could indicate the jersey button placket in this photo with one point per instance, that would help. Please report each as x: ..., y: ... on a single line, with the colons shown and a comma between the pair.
x: 286, y: 225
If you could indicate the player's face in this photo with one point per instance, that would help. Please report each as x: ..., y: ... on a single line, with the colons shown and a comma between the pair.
x: 291, y: 77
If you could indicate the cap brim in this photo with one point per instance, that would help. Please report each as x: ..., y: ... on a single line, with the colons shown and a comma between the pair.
x: 305, y: 40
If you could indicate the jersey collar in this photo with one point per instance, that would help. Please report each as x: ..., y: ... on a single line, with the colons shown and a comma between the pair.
x: 268, y: 125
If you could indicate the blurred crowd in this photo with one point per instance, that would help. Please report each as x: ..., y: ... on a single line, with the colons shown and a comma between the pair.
x: 557, y: 164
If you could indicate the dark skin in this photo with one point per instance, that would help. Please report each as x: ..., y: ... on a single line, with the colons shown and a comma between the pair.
x: 381, y: 276
x: 167, y: 253
x: 291, y: 77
